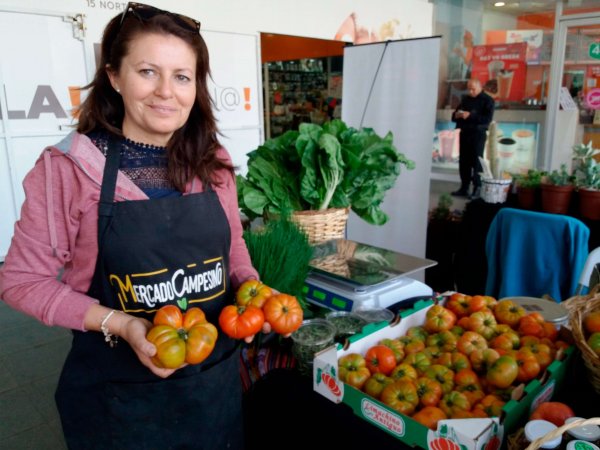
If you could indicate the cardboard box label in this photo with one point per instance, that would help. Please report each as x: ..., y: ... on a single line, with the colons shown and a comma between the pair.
x: 382, y: 418
x: 544, y: 396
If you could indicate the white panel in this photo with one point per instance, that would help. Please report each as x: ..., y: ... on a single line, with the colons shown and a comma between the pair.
x: 38, y: 71
x: 238, y: 143
x: 403, y: 101
x: 235, y: 81
x: 7, y: 215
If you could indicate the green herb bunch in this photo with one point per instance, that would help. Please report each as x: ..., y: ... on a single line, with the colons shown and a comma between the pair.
x: 320, y: 167
x: 280, y: 252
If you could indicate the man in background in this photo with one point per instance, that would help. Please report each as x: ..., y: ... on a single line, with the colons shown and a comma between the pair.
x: 473, y: 116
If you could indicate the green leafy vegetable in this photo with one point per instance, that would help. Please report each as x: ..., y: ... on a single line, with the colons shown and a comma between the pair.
x: 320, y: 167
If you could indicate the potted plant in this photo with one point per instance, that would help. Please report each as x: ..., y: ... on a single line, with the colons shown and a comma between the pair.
x: 587, y: 179
x: 528, y: 187
x: 556, y: 189
x: 318, y: 173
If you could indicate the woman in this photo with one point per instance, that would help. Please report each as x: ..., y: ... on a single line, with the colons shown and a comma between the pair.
x: 139, y: 210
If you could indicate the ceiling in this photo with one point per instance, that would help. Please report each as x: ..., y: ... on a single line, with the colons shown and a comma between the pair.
x: 518, y: 7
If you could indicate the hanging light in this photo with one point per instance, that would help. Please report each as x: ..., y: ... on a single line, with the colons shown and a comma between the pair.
x: 498, y: 4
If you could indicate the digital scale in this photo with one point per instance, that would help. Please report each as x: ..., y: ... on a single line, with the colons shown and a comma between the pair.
x: 347, y: 275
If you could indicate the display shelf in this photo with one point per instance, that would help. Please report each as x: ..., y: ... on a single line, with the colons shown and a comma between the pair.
x: 296, y: 92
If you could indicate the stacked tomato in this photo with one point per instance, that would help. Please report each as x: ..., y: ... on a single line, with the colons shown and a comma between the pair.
x: 463, y: 362
x: 181, y: 337
x: 591, y: 325
x: 255, y: 303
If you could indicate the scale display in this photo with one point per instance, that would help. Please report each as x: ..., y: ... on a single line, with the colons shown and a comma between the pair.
x: 363, y: 265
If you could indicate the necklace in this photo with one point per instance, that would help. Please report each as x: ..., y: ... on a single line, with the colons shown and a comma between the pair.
x: 145, y: 146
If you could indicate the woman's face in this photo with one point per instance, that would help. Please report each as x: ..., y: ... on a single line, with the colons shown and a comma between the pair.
x: 157, y: 82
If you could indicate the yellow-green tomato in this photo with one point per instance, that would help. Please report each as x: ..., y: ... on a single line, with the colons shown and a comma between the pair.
x: 170, y: 346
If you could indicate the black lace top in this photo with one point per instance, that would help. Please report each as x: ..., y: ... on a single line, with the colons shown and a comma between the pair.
x: 146, y: 165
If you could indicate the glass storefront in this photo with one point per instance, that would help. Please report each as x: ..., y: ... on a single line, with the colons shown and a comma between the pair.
x: 510, y: 49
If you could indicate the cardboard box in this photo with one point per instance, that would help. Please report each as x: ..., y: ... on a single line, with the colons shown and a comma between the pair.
x: 464, y: 434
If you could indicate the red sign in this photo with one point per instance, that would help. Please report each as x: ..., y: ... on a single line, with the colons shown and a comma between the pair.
x: 501, y: 68
x: 592, y: 98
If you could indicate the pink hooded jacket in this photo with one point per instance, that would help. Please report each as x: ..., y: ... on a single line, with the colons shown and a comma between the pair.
x: 58, y: 229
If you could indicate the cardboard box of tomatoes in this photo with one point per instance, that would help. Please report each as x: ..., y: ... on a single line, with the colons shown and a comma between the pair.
x: 456, y: 434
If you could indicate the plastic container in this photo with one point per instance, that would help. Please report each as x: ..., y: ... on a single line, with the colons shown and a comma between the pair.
x: 375, y: 315
x: 589, y: 433
x: 346, y: 324
x: 313, y: 336
x: 581, y: 445
x: 535, y: 429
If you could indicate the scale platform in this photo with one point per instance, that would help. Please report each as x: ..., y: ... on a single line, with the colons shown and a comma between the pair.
x: 347, y: 275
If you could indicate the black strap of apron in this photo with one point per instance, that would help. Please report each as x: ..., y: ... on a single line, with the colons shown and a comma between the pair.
x: 107, y: 192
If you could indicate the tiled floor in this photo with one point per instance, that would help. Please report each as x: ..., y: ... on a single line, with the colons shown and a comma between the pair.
x: 31, y: 357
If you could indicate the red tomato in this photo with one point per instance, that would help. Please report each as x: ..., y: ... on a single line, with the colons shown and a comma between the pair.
x: 429, y: 391
x: 459, y: 304
x: 252, y: 292
x: 284, y: 313
x: 529, y: 367
x: 239, y: 322
x: 591, y: 322
x: 555, y: 412
x: 380, y: 359
x: 429, y: 416
x: 532, y: 324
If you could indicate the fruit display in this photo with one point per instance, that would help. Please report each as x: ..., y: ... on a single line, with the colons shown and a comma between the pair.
x: 463, y: 361
x: 181, y: 337
x: 591, y: 325
x: 255, y: 304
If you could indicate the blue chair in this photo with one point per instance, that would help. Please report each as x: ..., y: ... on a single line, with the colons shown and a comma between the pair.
x: 533, y: 254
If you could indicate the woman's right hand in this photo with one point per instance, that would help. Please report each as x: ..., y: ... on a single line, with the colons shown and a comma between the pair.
x: 134, y: 331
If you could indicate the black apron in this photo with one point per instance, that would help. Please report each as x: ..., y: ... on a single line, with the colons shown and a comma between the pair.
x: 172, y: 250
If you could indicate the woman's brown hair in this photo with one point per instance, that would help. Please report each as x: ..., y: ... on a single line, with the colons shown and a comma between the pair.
x: 192, y: 148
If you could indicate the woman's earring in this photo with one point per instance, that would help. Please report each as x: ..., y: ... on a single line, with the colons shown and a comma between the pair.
x: 118, y: 90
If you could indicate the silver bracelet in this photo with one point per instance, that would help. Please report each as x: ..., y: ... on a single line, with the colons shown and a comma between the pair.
x: 108, y: 336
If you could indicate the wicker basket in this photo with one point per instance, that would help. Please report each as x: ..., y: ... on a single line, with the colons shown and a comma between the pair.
x: 321, y: 226
x: 560, y: 430
x: 579, y: 307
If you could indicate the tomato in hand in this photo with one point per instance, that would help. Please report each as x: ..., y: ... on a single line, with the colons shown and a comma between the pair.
x: 284, y: 313
x: 181, y: 338
x: 380, y: 359
x: 239, y: 322
x: 170, y: 346
x: 252, y: 292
